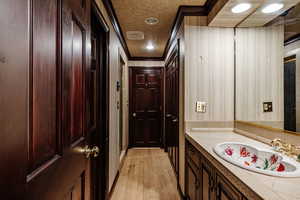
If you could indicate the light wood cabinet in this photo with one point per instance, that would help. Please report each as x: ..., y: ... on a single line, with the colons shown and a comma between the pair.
x: 204, y: 182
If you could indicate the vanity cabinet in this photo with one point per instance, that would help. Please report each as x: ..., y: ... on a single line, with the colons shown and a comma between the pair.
x: 226, y: 191
x: 203, y: 181
x: 192, y: 181
x: 206, y: 176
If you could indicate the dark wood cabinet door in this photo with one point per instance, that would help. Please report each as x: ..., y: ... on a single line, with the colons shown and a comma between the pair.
x: 225, y: 190
x: 192, y: 182
x: 207, y: 181
x: 146, y: 97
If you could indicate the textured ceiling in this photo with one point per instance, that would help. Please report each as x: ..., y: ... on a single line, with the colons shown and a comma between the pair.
x: 132, y: 14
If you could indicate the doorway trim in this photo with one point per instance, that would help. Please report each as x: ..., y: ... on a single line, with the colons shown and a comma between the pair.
x: 122, y: 105
x: 97, y: 13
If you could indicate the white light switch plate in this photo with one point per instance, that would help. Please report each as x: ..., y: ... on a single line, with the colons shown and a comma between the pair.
x: 201, y: 107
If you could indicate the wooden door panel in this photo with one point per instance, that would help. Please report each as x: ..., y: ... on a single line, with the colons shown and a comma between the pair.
x: 146, y: 106
x: 153, y: 80
x: 154, y: 101
x: 58, y: 179
x: 154, y: 128
x: 77, y: 72
x: 78, y: 190
x: 147, y: 100
x: 138, y: 131
x: 43, y: 140
x: 141, y: 100
x: 140, y: 79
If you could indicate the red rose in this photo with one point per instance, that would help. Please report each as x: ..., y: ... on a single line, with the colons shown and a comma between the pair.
x: 280, y: 168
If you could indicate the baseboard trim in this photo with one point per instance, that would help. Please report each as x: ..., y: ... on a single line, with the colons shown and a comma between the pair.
x: 182, y: 196
x: 117, y: 176
x: 123, y: 159
x: 113, y: 186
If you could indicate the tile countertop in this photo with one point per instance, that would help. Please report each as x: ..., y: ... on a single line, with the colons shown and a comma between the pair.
x: 267, y: 187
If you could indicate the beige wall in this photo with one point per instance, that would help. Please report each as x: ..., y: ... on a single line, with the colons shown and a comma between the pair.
x: 259, y: 74
x: 197, y: 67
x: 146, y: 63
x: 115, y: 51
x: 209, y: 71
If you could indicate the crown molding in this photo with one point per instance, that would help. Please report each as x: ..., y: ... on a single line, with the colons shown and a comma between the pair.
x: 292, y: 39
x: 116, y: 25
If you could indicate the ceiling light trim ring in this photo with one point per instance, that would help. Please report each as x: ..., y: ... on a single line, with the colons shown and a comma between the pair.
x: 151, y: 21
x: 241, y: 7
x: 273, y: 7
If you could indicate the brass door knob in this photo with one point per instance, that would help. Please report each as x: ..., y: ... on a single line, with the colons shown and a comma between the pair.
x: 94, y: 151
x: 134, y: 114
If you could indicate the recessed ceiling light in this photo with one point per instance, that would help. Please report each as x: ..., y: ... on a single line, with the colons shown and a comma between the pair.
x: 242, y: 7
x: 150, y: 46
x: 151, y: 21
x: 272, y: 8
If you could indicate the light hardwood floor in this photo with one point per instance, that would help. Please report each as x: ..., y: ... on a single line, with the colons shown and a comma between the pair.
x: 146, y: 175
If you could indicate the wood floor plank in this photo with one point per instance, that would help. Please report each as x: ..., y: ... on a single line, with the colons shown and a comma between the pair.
x: 146, y: 175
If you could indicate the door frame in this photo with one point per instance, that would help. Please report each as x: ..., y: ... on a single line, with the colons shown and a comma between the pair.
x: 95, y: 170
x: 162, y: 87
x: 121, y: 77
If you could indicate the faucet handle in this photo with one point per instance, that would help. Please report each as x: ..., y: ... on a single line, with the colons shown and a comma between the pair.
x: 277, y: 144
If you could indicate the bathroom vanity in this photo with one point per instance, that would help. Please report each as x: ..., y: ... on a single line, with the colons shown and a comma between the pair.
x: 210, y: 177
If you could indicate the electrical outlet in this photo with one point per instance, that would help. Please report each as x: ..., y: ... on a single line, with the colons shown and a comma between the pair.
x: 267, y: 106
x: 201, y: 107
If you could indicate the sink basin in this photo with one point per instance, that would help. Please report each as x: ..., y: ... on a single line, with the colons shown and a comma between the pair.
x: 258, y: 160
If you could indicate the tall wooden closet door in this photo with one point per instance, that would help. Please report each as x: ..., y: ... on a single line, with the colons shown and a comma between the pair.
x: 172, y: 109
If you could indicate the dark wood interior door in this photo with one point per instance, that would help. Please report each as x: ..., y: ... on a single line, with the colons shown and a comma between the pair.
x: 58, y: 167
x: 290, y: 94
x: 47, y: 117
x: 172, y: 110
x: 146, y: 97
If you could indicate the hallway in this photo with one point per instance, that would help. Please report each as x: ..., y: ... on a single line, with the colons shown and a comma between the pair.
x: 146, y: 175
